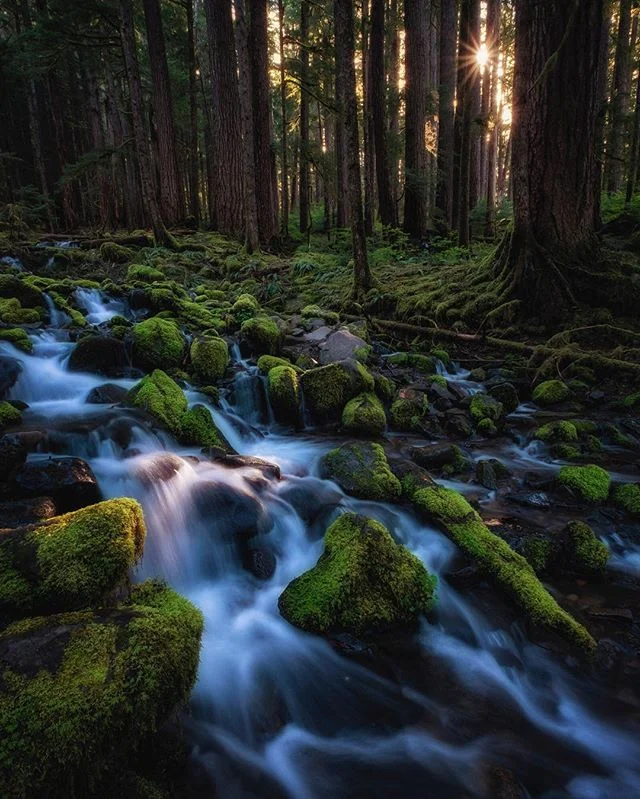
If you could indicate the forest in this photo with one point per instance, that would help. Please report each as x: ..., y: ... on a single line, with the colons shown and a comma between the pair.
x: 319, y: 399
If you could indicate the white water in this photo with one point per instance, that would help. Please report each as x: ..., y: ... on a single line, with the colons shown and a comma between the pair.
x: 97, y: 307
x: 278, y: 712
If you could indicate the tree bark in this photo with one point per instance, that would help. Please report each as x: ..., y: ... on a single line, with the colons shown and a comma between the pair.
x: 467, y: 77
x: 635, y: 150
x: 446, y: 110
x: 368, y: 133
x: 348, y: 112
x: 305, y: 214
x: 620, y: 101
x: 493, y: 48
x: 284, y: 163
x: 386, y: 204
x: 194, y: 170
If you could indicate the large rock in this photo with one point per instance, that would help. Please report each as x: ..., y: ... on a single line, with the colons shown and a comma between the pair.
x: 327, y: 389
x: 82, y: 691
x: 10, y: 371
x: 364, y: 416
x: 104, y: 355
x: 160, y: 467
x: 340, y: 345
x: 70, y: 482
x: 106, y: 394
x: 13, y: 453
x: 158, y: 344
x: 362, y: 470
x: 310, y: 497
x: 448, y: 459
x: 26, y: 511
x: 270, y: 470
x: 284, y: 394
x: 162, y: 398
x: 364, y: 582
x: 209, y: 358
x: 69, y: 562
x: 231, y: 511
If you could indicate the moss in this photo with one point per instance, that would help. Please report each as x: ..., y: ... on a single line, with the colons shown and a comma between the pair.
x: 407, y: 413
x: 442, y: 356
x: 28, y: 296
x: 162, y: 397
x: 364, y: 415
x: 138, y: 273
x: 12, y: 313
x: 423, y: 363
x: 18, y: 337
x: 539, y: 551
x: 557, y: 431
x: 197, y: 428
x: 262, y: 335
x: 585, y: 426
x: 551, y: 392
x: 363, y: 582
x: 617, y: 437
x: 283, y: 389
x: 158, y: 343
x: 508, y: 570
x: 590, y: 483
x: 362, y: 470
x: 106, y: 682
x: 115, y: 253
x: 487, y: 427
x: 364, y: 353
x: 631, y: 401
x: 438, y: 380
x: 245, y: 307
x: 384, y: 387
x: 71, y: 561
x: 566, y: 452
x: 209, y: 358
x: 627, y: 497
x: 484, y: 406
x: 586, y: 554
x: 267, y: 362
x: 315, y: 312
x: 327, y: 389
x: 9, y: 415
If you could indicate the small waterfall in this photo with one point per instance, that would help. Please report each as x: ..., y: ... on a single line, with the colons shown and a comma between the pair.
x: 9, y: 260
x: 57, y: 317
x: 98, y: 309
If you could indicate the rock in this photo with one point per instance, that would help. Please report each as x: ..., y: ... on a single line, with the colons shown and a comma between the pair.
x: 26, y: 511
x: 10, y: 371
x: 586, y: 554
x: 362, y: 470
x: 259, y: 561
x: 484, y: 406
x: 270, y: 470
x: 589, y: 483
x: 82, y: 690
x: 158, y: 468
x: 408, y: 411
x: 505, y: 393
x: 327, y: 389
x: 457, y: 423
x: 448, y: 459
x: 10, y: 416
x: 283, y: 389
x: 535, y: 499
x: 157, y: 344
x: 13, y: 453
x: 69, y: 562
x: 319, y: 334
x: 412, y: 477
x: 626, y: 496
x: 340, y: 345
x: 260, y: 335
x: 162, y: 397
x: 363, y: 582
x: 310, y: 497
x: 364, y: 415
x: 197, y: 428
x: 231, y: 511
x: 245, y: 307
x: 106, y: 394
x: 551, y: 392
x: 103, y: 355
x: 489, y: 472
x: 209, y: 358
x: 70, y: 482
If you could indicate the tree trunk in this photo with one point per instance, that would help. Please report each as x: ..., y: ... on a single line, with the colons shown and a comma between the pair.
x: 416, y: 192
x: 635, y: 150
x: 368, y: 133
x: 305, y: 214
x: 554, y: 161
x: 167, y: 171
x: 393, y: 29
x: 475, y: 129
x: 467, y: 78
x: 446, y: 110
x: 348, y: 112
x: 493, y: 48
x: 194, y: 171
x: 284, y: 164
x: 620, y: 99
x: 386, y: 204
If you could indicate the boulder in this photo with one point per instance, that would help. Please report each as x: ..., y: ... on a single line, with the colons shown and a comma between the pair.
x: 26, y: 511
x: 310, y: 497
x: 10, y: 371
x: 197, y: 428
x: 270, y: 470
x: 209, y: 358
x: 103, y: 355
x: 158, y: 344
x: 106, y: 394
x: 327, y: 389
x: 70, y: 482
x: 160, y: 467
x: 259, y: 561
x: 230, y: 511
x: 283, y: 389
x: 13, y: 454
x: 260, y: 335
x: 162, y: 398
x: 364, y: 415
x: 489, y: 472
x: 340, y: 345
x: 505, y: 393
x: 448, y: 459
x: 362, y: 470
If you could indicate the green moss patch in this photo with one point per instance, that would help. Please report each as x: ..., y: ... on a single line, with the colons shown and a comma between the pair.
x: 209, y: 358
x: 364, y: 415
x: 197, y: 428
x: 362, y: 470
x: 586, y: 554
x: 590, y: 483
x: 9, y: 415
x: 18, y: 337
x: 284, y: 393
x: 158, y: 344
x: 551, y: 392
x: 363, y: 582
x: 162, y: 397
x: 327, y: 389
x: 262, y: 335
x: 627, y: 497
x: 557, y: 431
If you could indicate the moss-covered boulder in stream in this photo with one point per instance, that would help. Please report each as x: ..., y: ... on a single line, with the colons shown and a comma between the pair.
x: 28, y: 296
x: 9, y: 416
x: 267, y: 362
x: 162, y: 397
x: 551, y: 392
x: 627, y: 497
x: 71, y: 561
x: 363, y: 582
x: 209, y: 358
x: 245, y: 307
x: 509, y: 571
x: 81, y: 690
x: 261, y: 335
x: 586, y: 554
x: 364, y: 415
x: 361, y: 469
x: 197, y: 428
x: 589, y: 483
x: 283, y: 389
x: 18, y: 337
x: 327, y: 389
x: 158, y: 344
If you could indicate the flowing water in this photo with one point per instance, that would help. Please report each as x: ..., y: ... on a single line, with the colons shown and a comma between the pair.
x: 279, y: 713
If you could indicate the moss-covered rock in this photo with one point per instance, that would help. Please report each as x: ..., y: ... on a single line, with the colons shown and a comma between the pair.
x: 363, y: 582
x: 484, y: 406
x: 9, y: 416
x: 384, y: 388
x: 104, y: 355
x: 327, y: 389
x: 362, y: 470
x: 115, y: 253
x: 586, y: 554
x: 139, y: 273
x: 509, y: 571
x: 12, y: 313
x: 627, y: 497
x: 18, y: 337
x: 590, y: 483
x: 261, y: 335
x: 551, y: 392
x: 408, y: 412
x: 162, y: 397
x: 315, y: 312
x: 427, y: 364
x: 28, y: 296
x: 104, y: 681
x: 283, y: 389
x: 158, y: 344
x: 557, y: 431
x: 540, y: 552
x: 198, y: 429
x: 364, y: 415
x: 446, y: 459
x: 267, y: 362
x: 245, y: 307
x: 209, y: 358
x: 71, y: 561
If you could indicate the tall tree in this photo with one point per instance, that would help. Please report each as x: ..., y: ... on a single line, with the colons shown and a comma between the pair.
x: 555, y: 168
x: 305, y: 215
x: 167, y: 166
x: 620, y: 100
x: 467, y: 79
x: 493, y: 43
x: 386, y: 203
x: 194, y: 168
x: 446, y: 109
x: 284, y: 153
x: 348, y: 113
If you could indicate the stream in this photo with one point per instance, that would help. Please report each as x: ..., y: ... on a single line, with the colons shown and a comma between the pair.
x: 280, y: 713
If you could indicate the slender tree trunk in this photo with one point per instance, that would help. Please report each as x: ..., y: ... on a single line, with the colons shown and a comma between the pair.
x: 393, y: 115
x: 416, y: 198
x: 620, y: 99
x: 446, y: 110
x: 467, y: 77
x: 348, y: 111
x: 368, y: 133
x: 194, y: 163
x: 475, y: 129
x: 386, y: 204
x: 169, y: 182
x: 493, y: 46
x: 283, y: 113
x: 305, y: 214
x: 632, y: 173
